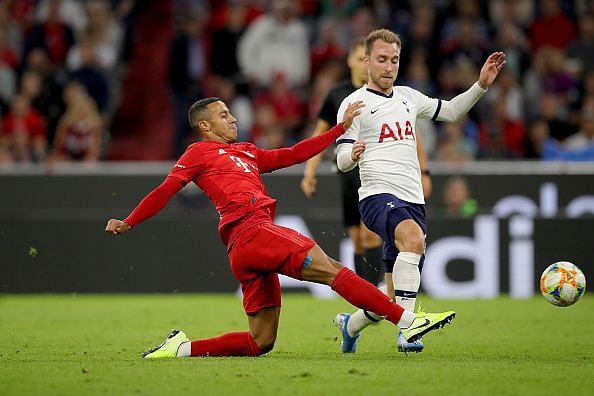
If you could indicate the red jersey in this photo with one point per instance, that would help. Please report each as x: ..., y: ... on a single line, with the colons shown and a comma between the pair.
x: 229, y: 175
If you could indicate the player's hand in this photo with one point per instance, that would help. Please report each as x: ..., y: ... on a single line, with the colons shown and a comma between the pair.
x: 358, y: 150
x: 115, y: 227
x: 353, y: 110
x: 491, y: 69
x: 308, y: 185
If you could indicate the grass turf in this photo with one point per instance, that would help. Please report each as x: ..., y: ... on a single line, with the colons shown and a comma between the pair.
x: 90, y: 344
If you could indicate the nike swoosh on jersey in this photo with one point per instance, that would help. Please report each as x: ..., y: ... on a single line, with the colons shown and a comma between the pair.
x: 373, y: 111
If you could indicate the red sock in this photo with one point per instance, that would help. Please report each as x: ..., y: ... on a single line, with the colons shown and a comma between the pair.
x: 230, y: 344
x: 363, y: 294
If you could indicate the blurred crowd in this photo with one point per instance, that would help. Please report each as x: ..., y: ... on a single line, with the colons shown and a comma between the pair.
x: 273, y: 61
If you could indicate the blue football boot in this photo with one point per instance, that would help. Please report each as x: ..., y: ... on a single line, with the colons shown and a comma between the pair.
x: 348, y: 343
x: 405, y: 346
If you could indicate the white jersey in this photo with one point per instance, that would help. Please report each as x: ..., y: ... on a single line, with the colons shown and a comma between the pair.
x: 387, y: 124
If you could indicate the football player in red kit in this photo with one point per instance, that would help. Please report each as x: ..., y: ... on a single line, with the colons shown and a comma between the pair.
x: 229, y: 174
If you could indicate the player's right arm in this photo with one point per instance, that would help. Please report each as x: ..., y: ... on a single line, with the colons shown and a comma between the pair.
x: 148, y: 207
x: 349, y: 148
x: 309, y: 181
x: 182, y: 173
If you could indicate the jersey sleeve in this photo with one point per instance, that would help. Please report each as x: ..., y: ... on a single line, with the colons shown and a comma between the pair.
x: 351, y: 135
x: 427, y: 108
x: 270, y: 160
x: 187, y: 166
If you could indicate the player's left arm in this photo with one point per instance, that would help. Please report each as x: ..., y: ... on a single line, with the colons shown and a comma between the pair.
x: 270, y: 160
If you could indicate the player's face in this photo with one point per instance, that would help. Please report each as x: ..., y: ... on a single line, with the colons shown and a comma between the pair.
x: 222, y: 123
x: 383, y: 61
x: 357, y: 64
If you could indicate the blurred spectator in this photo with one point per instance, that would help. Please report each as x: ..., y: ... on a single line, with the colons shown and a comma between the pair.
x: 538, y: 134
x: 23, y: 132
x: 454, y: 146
x: 330, y: 74
x: 421, y: 39
x: 285, y: 102
x: 32, y: 87
x: 11, y: 30
x: 276, y: 42
x: 328, y: 47
x: 552, y: 27
x: 362, y: 22
x: 581, y: 50
x: 547, y: 75
x: 266, y: 134
x: 51, y: 34
x: 47, y: 99
x: 457, y: 199
x: 512, y: 41
x: 187, y: 68
x: 555, y: 115
x: 586, y: 91
x: 90, y: 74
x: 7, y: 86
x: 78, y: 137
x: 585, y: 136
x: 103, y: 34
x: 417, y: 75
x: 339, y: 7
x: 502, y: 136
x: 466, y: 45
x: 225, y: 40
x: 517, y: 13
x: 8, y: 55
x: 466, y: 12
x: 69, y: 12
x: 447, y: 79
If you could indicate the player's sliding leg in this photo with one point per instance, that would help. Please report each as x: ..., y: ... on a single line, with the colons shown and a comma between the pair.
x: 258, y: 341
x: 360, y: 293
x: 354, y: 289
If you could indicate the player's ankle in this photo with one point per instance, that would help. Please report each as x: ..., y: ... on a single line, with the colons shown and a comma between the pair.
x: 406, y: 319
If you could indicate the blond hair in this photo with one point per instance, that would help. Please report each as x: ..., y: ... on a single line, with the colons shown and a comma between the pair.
x: 381, y: 34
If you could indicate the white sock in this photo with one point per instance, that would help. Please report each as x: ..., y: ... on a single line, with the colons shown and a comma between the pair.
x: 406, y: 319
x: 185, y: 349
x: 407, y: 279
x: 361, y: 318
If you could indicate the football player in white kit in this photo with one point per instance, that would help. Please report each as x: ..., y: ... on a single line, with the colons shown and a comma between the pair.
x: 382, y: 142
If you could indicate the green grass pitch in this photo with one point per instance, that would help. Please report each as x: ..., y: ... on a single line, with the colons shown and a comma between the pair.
x: 90, y: 344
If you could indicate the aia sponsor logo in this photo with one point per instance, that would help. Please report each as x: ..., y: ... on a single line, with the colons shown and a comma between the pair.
x: 396, y: 133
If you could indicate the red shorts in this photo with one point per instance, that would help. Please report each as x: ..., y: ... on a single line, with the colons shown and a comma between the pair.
x: 259, y: 254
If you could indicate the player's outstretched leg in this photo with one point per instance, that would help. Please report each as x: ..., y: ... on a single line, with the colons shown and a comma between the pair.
x: 258, y: 341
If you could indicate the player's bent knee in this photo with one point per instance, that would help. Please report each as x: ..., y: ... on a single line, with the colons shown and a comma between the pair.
x: 413, y: 243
